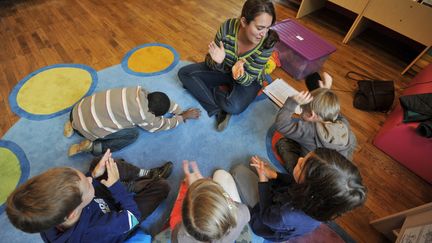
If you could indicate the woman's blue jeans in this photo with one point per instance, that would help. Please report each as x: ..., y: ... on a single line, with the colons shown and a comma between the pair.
x: 203, y: 83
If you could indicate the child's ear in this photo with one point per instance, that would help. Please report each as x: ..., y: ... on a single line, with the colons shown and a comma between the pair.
x: 72, y: 215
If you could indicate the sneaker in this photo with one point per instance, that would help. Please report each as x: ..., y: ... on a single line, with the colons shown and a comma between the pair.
x: 222, y: 119
x: 163, y: 171
x: 68, y: 130
x: 84, y: 146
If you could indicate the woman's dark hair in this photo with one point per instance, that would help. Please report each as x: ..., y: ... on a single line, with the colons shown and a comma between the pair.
x: 331, y: 186
x: 158, y: 103
x: 253, y: 8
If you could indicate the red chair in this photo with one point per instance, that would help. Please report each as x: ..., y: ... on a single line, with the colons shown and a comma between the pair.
x: 400, y: 141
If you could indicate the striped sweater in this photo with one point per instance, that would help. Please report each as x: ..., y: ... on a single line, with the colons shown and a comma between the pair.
x: 255, y: 58
x: 109, y: 111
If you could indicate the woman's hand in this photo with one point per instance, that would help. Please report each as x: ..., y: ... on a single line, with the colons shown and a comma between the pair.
x: 216, y: 52
x: 238, y: 69
x: 195, y: 175
x: 113, y: 173
x: 100, y: 167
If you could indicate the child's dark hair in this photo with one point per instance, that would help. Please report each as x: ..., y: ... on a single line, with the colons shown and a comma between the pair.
x: 253, y: 8
x: 45, y: 200
x: 158, y: 103
x: 331, y: 186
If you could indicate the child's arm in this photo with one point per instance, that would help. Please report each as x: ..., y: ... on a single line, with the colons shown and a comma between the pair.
x: 159, y: 123
x: 128, y: 217
x: 270, y: 214
x: 284, y: 179
x: 289, y: 127
x: 115, y: 223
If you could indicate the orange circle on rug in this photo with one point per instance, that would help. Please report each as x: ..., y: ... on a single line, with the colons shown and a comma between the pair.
x: 151, y: 59
x: 53, y: 90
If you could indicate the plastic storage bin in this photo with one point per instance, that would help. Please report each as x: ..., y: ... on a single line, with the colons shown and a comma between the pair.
x: 301, y: 51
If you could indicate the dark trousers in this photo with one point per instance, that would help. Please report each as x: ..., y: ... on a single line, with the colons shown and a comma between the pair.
x: 289, y: 151
x: 149, y: 193
x: 203, y: 83
x: 114, y: 141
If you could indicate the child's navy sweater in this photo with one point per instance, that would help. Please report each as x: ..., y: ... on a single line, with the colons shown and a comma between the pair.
x: 109, y: 217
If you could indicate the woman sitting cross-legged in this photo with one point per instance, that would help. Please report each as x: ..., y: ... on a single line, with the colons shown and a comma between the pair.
x: 236, y: 60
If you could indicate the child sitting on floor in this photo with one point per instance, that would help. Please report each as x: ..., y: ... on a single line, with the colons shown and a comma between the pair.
x: 324, y: 185
x: 64, y: 205
x: 109, y: 119
x: 210, y: 211
x: 321, y: 125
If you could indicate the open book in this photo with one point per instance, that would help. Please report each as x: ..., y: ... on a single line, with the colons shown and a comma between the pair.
x: 279, y: 90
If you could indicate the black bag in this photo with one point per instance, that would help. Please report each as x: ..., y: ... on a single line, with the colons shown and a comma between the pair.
x: 372, y: 94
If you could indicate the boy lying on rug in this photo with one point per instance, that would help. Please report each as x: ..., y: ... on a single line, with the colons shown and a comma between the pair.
x: 64, y: 205
x: 110, y: 119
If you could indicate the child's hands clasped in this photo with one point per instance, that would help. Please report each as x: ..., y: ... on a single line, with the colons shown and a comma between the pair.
x: 100, y: 167
x: 195, y: 175
x: 113, y: 173
x: 216, y: 52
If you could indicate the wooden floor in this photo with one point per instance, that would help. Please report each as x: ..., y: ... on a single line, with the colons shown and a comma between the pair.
x: 34, y: 34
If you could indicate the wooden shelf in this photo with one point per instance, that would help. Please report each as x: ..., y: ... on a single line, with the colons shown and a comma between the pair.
x: 393, y: 226
x: 406, y: 17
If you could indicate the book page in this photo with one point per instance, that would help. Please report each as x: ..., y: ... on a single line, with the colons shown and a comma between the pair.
x: 279, y: 90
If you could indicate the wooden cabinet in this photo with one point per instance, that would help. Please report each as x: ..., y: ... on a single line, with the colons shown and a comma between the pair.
x: 403, y: 16
x: 406, y: 17
x: 356, y: 6
x: 394, y: 226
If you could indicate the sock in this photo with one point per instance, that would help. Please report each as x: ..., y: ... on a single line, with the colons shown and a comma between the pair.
x: 143, y: 172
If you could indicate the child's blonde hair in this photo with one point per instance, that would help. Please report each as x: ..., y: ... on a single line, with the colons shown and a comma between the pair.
x: 325, y: 104
x: 208, y: 212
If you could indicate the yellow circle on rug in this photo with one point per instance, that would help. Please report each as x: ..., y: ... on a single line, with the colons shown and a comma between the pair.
x: 53, y: 90
x: 150, y: 59
x: 10, y: 173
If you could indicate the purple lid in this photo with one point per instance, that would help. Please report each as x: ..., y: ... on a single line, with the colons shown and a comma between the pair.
x: 302, y: 40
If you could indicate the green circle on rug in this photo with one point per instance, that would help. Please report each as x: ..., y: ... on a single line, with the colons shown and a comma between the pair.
x: 10, y: 172
x: 54, y: 90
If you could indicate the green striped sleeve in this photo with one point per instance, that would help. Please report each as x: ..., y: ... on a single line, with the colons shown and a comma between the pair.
x: 254, y: 66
